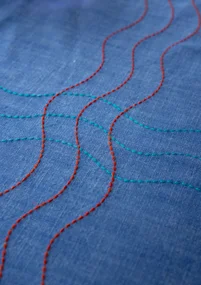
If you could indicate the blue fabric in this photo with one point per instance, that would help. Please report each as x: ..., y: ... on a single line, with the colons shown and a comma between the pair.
x: 145, y: 233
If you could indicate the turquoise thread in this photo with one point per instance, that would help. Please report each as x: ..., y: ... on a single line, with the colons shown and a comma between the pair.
x: 139, y: 181
x: 104, y: 100
x: 25, y: 94
x: 153, y: 154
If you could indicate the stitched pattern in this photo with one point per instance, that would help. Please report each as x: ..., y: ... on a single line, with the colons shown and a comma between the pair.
x: 57, y: 235
x: 76, y: 135
x: 80, y: 150
x: 44, y: 136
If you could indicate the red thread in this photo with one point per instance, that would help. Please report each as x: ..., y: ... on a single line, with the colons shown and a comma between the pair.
x: 77, y: 141
x: 76, y: 132
x: 110, y: 140
x: 70, y: 88
x: 78, y: 155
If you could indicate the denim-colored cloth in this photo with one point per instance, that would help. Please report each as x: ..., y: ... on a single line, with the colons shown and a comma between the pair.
x: 148, y: 231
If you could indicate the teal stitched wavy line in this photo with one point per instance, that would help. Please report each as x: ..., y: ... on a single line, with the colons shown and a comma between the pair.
x: 24, y: 94
x: 99, y: 164
x: 153, y: 154
x: 104, y: 100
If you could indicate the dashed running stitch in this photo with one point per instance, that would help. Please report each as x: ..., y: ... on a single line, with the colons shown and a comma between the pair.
x: 133, y: 151
x: 25, y: 94
x: 100, y: 165
x: 109, y: 103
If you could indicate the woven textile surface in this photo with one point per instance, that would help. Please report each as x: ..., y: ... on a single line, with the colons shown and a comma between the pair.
x: 100, y: 142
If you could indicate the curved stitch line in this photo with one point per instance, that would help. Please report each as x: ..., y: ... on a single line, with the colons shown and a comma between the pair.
x: 114, y: 168
x: 3, y: 256
x: 25, y: 94
x: 100, y: 165
x: 109, y: 103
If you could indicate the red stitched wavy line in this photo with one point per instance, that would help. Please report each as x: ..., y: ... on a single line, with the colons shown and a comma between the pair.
x: 44, y: 136
x: 72, y: 87
x: 77, y: 142
x: 57, y: 235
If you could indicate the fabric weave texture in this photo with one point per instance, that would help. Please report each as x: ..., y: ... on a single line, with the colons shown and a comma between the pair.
x: 147, y: 231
